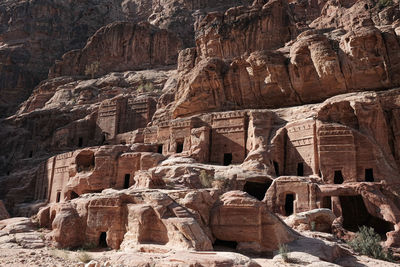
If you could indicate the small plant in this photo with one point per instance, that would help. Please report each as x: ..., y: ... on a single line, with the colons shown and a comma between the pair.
x: 284, y: 251
x: 145, y: 85
x: 367, y: 242
x: 84, y: 257
x: 92, y: 69
x: 313, y: 225
x: 384, y: 3
x: 205, y: 179
x: 59, y: 253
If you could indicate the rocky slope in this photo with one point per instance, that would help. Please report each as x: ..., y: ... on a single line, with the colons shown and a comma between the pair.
x: 163, y: 127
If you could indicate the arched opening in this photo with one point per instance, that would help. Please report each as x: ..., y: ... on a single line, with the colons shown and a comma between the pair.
x: 85, y: 161
x: 58, y: 198
x: 276, y: 168
x: 127, y: 180
x: 223, y: 245
x: 338, y: 177
x: 103, y: 240
x: 327, y: 203
x: 256, y: 190
x: 74, y: 195
x: 227, y: 159
x: 80, y: 142
x: 160, y: 149
x: 300, y: 169
x: 289, y: 204
x: 355, y: 214
x: 179, y: 146
x: 369, y: 175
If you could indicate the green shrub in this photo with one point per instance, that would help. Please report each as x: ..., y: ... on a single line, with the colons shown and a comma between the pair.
x: 92, y: 69
x: 313, y: 226
x: 283, y: 251
x: 367, y: 242
x: 205, y: 179
x: 384, y: 3
x: 84, y: 257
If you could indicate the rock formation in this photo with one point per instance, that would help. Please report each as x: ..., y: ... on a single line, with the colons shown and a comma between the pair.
x: 171, y: 126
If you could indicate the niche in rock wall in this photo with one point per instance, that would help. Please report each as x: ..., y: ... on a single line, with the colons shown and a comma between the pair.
x: 152, y: 229
x: 256, y: 190
x: 223, y: 245
x: 289, y: 204
x: 327, y: 203
x: 300, y: 169
x: 179, y: 146
x: 127, y: 180
x: 103, y: 240
x: 355, y: 214
x: 58, y: 198
x: 338, y: 177
x: 80, y: 142
x: 369, y: 175
x: 74, y: 195
x: 85, y: 161
x: 160, y: 149
x: 227, y: 159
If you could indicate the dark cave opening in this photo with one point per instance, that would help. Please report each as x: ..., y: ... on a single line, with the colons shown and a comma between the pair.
x: 227, y: 159
x: 127, y: 180
x: 224, y: 245
x: 289, y: 204
x: 74, y: 195
x: 103, y: 240
x: 338, y: 178
x: 369, y: 175
x: 327, y: 203
x: 300, y: 169
x: 256, y: 190
x: 355, y: 215
x: 179, y: 147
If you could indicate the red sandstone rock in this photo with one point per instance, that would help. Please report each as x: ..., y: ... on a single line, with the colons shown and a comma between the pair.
x: 3, y: 212
x: 145, y: 46
x: 243, y: 219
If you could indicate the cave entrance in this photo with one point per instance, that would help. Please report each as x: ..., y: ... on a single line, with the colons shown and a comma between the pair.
x: 179, y: 146
x: 58, y: 198
x: 338, y: 177
x: 327, y: 203
x: 80, y: 142
x: 85, y: 161
x: 127, y: 180
x: 160, y: 149
x: 276, y: 168
x: 103, y: 240
x: 256, y: 190
x: 227, y: 159
x: 289, y: 204
x: 300, y: 169
x: 355, y: 214
x: 223, y: 245
x: 369, y: 175
x: 74, y: 195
